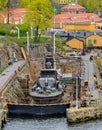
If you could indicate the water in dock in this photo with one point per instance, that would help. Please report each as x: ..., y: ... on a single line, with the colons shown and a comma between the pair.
x: 56, y: 123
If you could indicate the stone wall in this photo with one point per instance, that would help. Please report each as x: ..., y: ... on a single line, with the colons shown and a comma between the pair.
x: 83, y: 114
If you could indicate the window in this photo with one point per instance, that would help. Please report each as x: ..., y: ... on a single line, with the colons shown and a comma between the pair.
x: 77, y: 11
x: 70, y: 11
x: 95, y: 41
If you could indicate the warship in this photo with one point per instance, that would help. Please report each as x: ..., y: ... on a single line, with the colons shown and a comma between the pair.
x: 47, y: 94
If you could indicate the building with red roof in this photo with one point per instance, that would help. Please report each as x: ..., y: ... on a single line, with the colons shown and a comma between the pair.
x: 16, y: 16
x: 73, y: 8
x: 76, y: 18
x: 74, y: 14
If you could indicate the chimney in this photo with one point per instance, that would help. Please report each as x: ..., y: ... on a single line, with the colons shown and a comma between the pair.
x: 94, y: 33
x: 68, y: 36
x: 85, y: 34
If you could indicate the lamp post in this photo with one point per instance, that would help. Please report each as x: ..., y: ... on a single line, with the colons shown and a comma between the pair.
x: 54, y: 46
x: 27, y: 43
x: 76, y: 92
x: 5, y: 19
x: 31, y: 29
x: 18, y: 32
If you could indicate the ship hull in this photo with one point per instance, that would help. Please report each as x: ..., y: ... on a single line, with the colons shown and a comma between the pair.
x: 36, y: 110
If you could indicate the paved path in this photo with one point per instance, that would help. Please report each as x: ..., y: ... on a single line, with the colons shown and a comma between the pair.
x: 8, y: 73
x: 88, y: 72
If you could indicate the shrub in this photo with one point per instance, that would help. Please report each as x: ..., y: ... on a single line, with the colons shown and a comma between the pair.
x: 23, y: 29
x: 4, y: 32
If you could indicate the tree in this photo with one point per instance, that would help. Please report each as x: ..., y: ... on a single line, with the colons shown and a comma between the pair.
x: 15, y: 3
x: 25, y: 3
x: 82, y: 2
x: 39, y: 15
x: 94, y: 6
x: 3, y: 4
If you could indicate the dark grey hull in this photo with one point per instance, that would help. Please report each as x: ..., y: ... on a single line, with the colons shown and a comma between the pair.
x: 36, y: 110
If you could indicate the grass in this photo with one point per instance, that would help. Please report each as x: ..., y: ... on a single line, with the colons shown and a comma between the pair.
x: 9, y: 39
x: 2, y: 69
x: 21, y: 41
x: 60, y: 43
x: 6, y: 26
x: 44, y: 40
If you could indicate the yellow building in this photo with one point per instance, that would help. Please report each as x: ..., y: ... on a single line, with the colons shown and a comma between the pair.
x: 94, y: 41
x: 90, y: 27
x: 86, y: 39
x: 77, y: 21
x: 62, y: 2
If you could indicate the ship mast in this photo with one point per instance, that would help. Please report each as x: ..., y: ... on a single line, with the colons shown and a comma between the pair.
x: 54, y: 33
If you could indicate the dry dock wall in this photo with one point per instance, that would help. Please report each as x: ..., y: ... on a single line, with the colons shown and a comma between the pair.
x: 3, y: 115
x: 83, y: 114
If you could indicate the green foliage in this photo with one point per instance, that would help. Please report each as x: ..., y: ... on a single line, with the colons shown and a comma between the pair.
x: 6, y: 26
x: 41, y: 13
x: 3, y: 4
x: 91, y: 5
x: 12, y: 3
x: 40, y: 16
x: 2, y: 69
x: 4, y: 32
x: 15, y: 3
x: 23, y: 29
x: 21, y: 42
x: 43, y: 40
x: 11, y: 40
x: 24, y: 3
x: 11, y: 29
x: 5, y: 29
x: 60, y: 44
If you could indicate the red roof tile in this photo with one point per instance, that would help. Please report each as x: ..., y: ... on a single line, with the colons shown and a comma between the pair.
x: 72, y: 18
x: 73, y: 7
x: 16, y: 12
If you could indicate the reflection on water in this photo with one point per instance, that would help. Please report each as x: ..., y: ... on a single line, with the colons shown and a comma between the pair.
x: 50, y: 124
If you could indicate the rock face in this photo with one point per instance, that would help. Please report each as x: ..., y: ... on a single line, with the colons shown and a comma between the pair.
x: 17, y: 91
x: 35, y: 68
x: 83, y: 114
x: 7, y: 54
x: 4, y: 58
